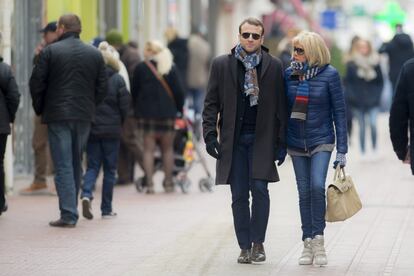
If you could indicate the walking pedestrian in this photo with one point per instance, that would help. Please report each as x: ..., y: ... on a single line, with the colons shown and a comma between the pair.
x: 9, y: 102
x: 197, y: 74
x: 130, y: 150
x: 402, y: 115
x: 158, y: 95
x: 66, y: 85
x: 317, y: 118
x: 364, y: 83
x: 40, y: 145
x: 246, y: 100
x: 104, y: 138
x: 399, y: 50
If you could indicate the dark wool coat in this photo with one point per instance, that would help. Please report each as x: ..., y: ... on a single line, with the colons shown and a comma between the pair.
x: 360, y: 93
x: 220, y: 109
x: 68, y: 81
x: 9, y: 97
x: 402, y: 113
x: 150, y: 99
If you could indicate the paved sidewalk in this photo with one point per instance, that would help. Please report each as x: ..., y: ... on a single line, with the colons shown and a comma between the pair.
x: 193, y: 234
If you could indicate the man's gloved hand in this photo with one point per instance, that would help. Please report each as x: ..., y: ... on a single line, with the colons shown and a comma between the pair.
x: 340, y: 160
x: 213, y: 148
x: 281, y: 155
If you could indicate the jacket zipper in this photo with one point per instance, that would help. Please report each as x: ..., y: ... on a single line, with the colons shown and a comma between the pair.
x: 304, y: 138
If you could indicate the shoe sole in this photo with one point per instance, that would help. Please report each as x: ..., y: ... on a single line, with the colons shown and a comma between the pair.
x: 86, y: 210
x: 259, y: 260
x: 64, y: 226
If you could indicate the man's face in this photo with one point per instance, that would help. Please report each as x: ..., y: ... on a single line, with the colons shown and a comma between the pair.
x: 50, y: 37
x: 250, y: 37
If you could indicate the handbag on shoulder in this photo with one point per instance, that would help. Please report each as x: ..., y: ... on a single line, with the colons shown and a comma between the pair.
x: 342, y: 198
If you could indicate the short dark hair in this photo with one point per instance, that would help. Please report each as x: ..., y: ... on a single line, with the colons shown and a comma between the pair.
x: 71, y: 23
x: 252, y: 21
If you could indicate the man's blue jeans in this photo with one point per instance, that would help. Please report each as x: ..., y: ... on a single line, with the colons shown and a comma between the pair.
x: 101, y: 152
x: 67, y: 141
x: 250, y: 228
x: 310, y: 175
x: 196, y: 96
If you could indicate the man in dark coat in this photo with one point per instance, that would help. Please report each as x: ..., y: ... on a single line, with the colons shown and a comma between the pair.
x: 399, y: 50
x: 246, y: 99
x: 402, y: 115
x: 66, y: 85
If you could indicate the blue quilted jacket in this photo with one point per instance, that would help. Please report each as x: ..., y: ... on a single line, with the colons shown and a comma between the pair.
x: 326, y: 112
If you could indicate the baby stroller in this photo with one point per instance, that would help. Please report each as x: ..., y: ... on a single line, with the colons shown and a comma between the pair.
x: 186, y: 153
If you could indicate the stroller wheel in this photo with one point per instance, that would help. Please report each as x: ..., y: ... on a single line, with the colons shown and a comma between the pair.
x: 140, y: 184
x: 184, y: 184
x: 206, y: 184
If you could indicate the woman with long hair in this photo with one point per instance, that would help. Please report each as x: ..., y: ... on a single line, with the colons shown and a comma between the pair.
x: 158, y: 95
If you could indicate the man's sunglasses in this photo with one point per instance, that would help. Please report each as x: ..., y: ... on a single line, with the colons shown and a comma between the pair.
x: 298, y: 51
x: 254, y: 36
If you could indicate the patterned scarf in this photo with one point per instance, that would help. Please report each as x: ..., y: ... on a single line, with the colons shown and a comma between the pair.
x: 300, y: 107
x: 250, y: 62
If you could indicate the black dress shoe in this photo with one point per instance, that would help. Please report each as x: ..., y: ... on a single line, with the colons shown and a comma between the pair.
x: 61, y: 223
x: 258, y: 253
x: 245, y: 257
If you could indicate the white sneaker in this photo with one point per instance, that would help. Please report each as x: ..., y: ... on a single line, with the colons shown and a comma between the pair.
x: 319, y: 252
x: 307, y: 254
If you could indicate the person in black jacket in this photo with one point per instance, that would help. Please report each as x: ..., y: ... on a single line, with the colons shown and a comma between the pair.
x: 9, y: 102
x: 399, y: 50
x: 364, y: 85
x: 179, y: 49
x: 155, y: 108
x: 66, y: 85
x: 103, y: 144
x: 402, y: 115
x: 244, y: 123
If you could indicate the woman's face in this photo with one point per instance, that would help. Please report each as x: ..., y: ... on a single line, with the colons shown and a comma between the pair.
x: 148, y: 53
x: 299, y: 53
x: 363, y: 47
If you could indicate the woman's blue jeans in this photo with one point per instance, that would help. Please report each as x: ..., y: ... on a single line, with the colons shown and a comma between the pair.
x: 310, y: 175
x: 372, y: 120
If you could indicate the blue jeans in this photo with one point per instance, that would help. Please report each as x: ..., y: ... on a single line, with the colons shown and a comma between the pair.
x: 310, y: 175
x: 372, y: 116
x: 196, y: 96
x: 101, y: 152
x: 67, y: 142
x: 249, y: 228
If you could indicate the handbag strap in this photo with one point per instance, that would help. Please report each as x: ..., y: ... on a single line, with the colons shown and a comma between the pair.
x: 161, y: 80
x: 339, y: 172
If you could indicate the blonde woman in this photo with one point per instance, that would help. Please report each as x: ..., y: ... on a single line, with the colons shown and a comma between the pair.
x: 317, y: 119
x: 364, y: 85
x: 158, y: 95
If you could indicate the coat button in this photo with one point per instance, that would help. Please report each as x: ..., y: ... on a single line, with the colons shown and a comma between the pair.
x: 241, y: 118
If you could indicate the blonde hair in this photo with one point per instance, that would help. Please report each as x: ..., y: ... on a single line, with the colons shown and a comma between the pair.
x: 170, y: 34
x: 162, y: 56
x: 316, y: 51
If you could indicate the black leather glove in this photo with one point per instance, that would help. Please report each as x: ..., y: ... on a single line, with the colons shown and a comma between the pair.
x: 213, y: 148
x: 281, y: 155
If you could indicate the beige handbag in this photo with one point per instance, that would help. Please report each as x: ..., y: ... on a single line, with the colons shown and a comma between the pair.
x: 342, y: 198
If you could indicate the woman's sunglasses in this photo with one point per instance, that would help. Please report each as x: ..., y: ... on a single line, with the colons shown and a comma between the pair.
x: 254, y: 36
x: 298, y: 51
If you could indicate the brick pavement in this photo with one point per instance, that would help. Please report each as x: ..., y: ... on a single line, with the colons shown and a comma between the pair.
x: 193, y: 234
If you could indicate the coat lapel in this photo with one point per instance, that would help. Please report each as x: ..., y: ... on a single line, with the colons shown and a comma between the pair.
x: 233, y: 69
x: 265, y: 64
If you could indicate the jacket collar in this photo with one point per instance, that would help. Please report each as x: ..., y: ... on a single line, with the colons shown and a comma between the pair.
x: 265, y: 63
x: 68, y: 35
